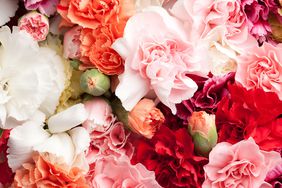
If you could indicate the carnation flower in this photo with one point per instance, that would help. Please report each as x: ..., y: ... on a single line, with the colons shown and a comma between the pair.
x: 257, y: 13
x: 274, y: 176
x: 100, y: 116
x: 62, y: 139
x: 48, y: 7
x: 47, y: 170
x: 72, y: 43
x: 31, y: 79
x: 145, y: 119
x: 110, y: 151
x: 252, y: 113
x: 261, y: 68
x: 96, y: 49
x: 36, y: 24
x: 218, y: 29
x: 110, y: 171
x: 170, y: 154
x: 240, y: 165
x: 154, y: 62
x: 8, y: 9
x: 90, y: 14
x: 113, y: 141
x: 209, y: 94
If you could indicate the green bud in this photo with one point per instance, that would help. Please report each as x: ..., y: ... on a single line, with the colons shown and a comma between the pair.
x: 203, y: 131
x: 94, y: 82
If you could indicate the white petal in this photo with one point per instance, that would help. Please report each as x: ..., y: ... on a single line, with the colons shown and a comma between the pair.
x: 60, y: 145
x: 131, y: 88
x: 21, y: 142
x: 34, y: 75
x: 57, y: 78
x: 80, y: 138
x: 3, y: 114
x: 8, y: 9
x: 67, y: 119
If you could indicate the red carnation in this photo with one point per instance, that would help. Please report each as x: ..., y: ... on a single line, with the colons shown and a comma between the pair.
x: 171, y: 155
x: 252, y: 113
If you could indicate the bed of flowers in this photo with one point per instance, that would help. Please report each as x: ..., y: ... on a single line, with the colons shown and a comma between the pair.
x: 140, y: 93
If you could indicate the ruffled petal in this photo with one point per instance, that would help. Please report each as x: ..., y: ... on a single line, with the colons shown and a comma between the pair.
x: 22, y: 140
x: 80, y: 138
x: 60, y: 145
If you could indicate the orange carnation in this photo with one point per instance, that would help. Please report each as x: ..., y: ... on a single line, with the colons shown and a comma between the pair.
x: 96, y: 49
x: 92, y: 13
x: 47, y: 172
x: 145, y: 119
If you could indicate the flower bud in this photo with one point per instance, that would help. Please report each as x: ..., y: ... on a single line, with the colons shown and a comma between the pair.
x: 72, y: 43
x: 94, y: 82
x: 145, y: 119
x: 203, y: 131
x: 36, y: 24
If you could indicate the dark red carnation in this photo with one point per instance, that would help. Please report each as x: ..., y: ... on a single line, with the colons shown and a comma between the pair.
x: 209, y: 94
x: 6, y: 177
x: 252, y: 113
x: 171, y: 155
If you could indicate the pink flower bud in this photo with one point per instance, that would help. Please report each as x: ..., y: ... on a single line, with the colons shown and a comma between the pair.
x: 72, y: 43
x: 36, y: 24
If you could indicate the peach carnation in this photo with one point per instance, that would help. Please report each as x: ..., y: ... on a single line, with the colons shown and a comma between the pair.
x: 47, y: 171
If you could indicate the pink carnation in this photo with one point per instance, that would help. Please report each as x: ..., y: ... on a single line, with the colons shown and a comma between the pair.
x: 47, y: 7
x: 72, y: 43
x: 100, y: 117
x: 157, y: 58
x: 111, y: 142
x: 261, y: 68
x: 240, y: 165
x: 112, y: 172
x: 36, y: 24
x: 257, y: 13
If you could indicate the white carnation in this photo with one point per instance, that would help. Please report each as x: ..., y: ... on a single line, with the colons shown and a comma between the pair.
x: 31, y: 78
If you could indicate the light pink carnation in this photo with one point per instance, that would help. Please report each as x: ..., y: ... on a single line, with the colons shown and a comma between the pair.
x: 218, y: 30
x: 111, y: 142
x: 112, y: 172
x: 261, y: 68
x: 109, y: 157
x: 72, y: 43
x: 157, y: 57
x: 240, y: 165
x: 47, y: 7
x: 100, y: 116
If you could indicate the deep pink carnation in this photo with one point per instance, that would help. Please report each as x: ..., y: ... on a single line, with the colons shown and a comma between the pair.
x: 207, y: 97
x: 274, y: 177
x: 257, y: 12
x: 47, y: 7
